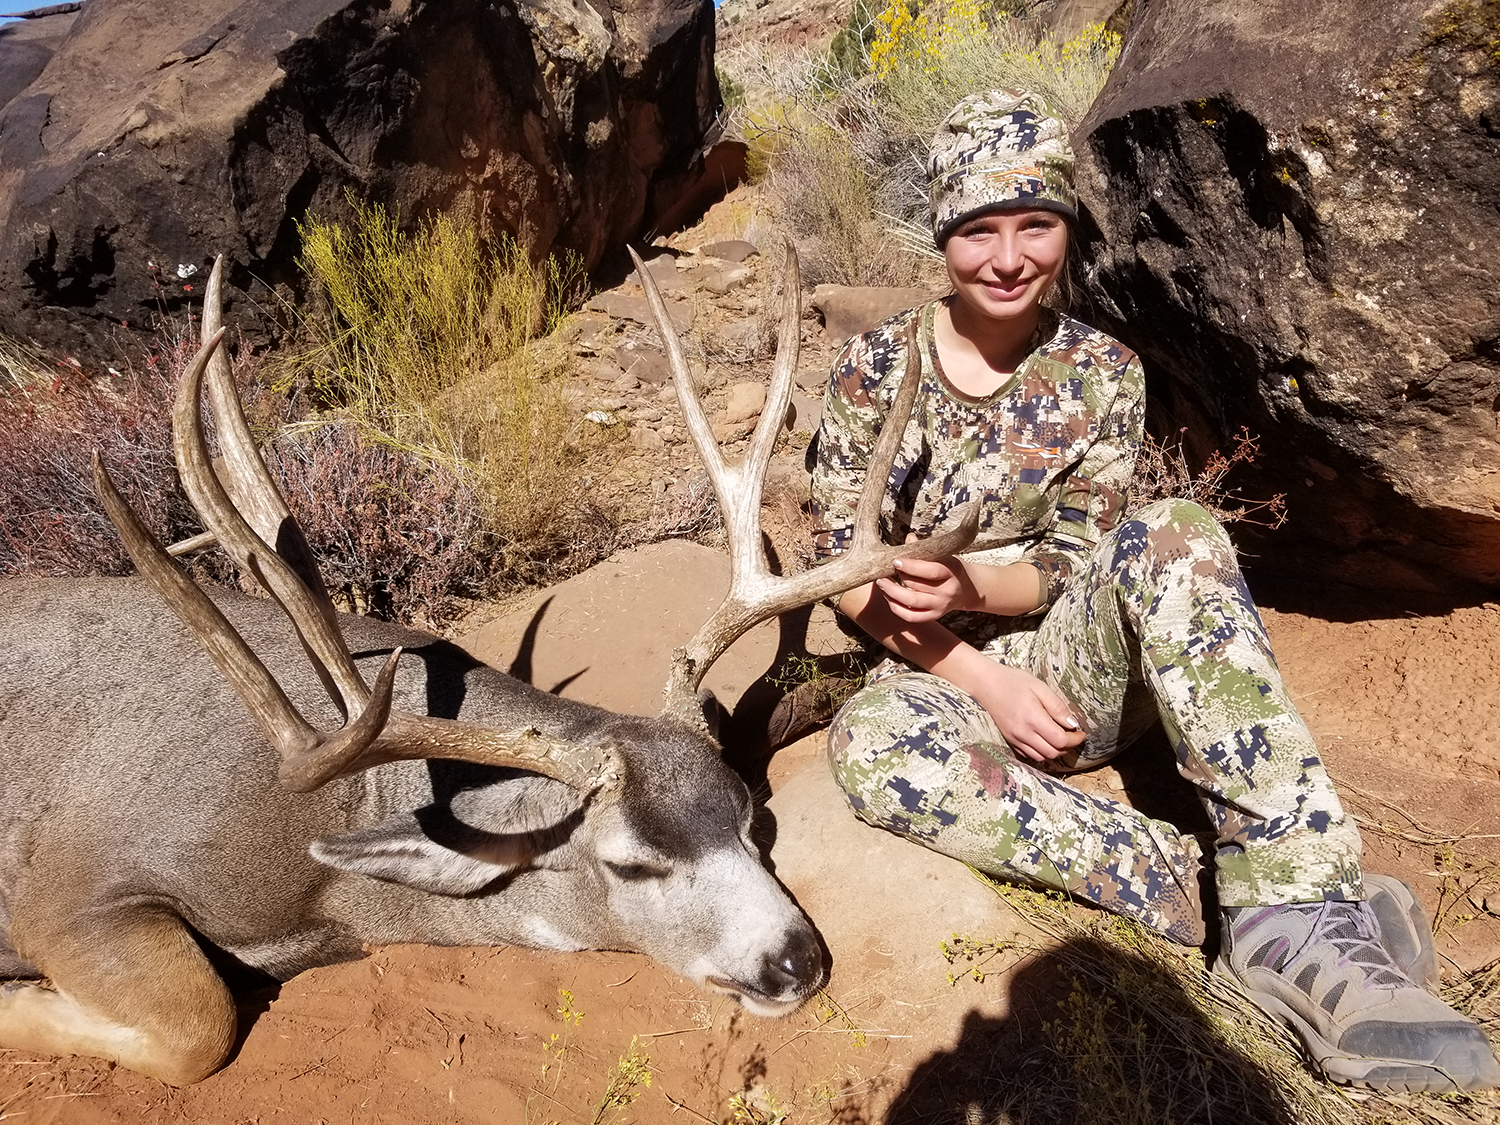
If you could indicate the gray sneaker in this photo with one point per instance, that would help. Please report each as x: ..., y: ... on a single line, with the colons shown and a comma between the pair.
x: 1321, y: 969
x: 1404, y: 929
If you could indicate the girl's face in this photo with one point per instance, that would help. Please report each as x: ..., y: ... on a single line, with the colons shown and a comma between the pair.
x: 1002, y: 265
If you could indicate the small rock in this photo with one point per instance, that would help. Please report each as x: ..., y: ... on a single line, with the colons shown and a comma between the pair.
x: 600, y: 418
x: 663, y: 271
x: 746, y: 401
x: 806, y: 413
x: 625, y: 307
x: 624, y: 384
x: 646, y: 414
x: 584, y: 332
x: 731, y: 431
x: 741, y: 338
x: 719, y: 280
x: 600, y: 371
x: 644, y: 362
x: 644, y: 439
x: 730, y: 250
x: 611, y: 404
x: 849, y: 310
x: 813, y: 380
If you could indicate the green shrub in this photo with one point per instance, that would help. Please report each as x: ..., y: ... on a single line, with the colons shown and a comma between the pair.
x: 429, y: 342
x: 731, y: 89
x: 849, y: 53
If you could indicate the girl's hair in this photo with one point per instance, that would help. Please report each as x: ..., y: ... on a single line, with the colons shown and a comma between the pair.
x: 1064, y: 292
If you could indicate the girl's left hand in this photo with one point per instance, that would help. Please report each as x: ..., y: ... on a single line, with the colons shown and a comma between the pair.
x: 925, y: 589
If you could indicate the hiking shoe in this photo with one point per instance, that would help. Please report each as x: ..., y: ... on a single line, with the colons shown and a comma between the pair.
x: 1404, y: 929
x: 1320, y: 968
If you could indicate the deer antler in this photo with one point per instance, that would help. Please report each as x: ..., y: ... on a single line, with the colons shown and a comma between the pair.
x: 755, y: 594
x: 377, y: 732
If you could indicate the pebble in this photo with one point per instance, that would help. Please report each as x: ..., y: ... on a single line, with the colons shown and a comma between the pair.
x: 644, y: 362
x: 720, y: 280
x: 746, y: 401
x: 645, y: 439
x: 729, y: 250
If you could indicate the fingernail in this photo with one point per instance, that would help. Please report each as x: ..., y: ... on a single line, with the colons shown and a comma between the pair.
x: 1070, y: 722
x: 897, y: 564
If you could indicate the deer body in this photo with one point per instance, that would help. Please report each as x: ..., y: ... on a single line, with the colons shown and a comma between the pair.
x: 182, y: 766
x: 110, y: 821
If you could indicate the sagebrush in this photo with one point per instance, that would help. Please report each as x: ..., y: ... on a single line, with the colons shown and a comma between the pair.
x: 394, y: 534
x: 429, y: 340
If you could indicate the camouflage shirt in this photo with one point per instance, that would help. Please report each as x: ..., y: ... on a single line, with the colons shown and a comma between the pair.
x: 1050, y: 452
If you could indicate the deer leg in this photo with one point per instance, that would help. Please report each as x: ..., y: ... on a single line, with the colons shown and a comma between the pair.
x: 131, y: 986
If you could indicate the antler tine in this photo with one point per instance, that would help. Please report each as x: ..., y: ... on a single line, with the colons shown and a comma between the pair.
x: 779, y: 394
x: 737, y: 487
x: 245, y: 476
x: 249, y: 483
x: 687, y: 391
x: 268, y: 704
x: 311, y: 758
x: 754, y: 593
x: 319, y: 635
x: 379, y: 733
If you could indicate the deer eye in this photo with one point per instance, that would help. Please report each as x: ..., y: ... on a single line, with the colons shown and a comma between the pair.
x: 635, y: 872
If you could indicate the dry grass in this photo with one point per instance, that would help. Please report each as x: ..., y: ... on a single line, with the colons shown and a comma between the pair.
x: 1139, y: 1031
x: 1162, y: 472
x: 832, y: 198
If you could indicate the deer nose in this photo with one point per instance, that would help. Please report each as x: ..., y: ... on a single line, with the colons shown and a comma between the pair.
x: 798, y: 964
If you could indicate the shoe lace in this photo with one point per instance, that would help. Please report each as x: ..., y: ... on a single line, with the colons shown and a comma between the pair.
x: 1349, y: 928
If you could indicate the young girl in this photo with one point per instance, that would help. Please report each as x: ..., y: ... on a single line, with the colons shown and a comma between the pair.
x: 1068, y: 629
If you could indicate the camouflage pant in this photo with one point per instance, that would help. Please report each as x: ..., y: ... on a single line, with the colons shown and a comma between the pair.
x: 1160, y: 624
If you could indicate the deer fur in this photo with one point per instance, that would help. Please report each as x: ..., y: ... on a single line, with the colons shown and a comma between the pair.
x: 142, y: 809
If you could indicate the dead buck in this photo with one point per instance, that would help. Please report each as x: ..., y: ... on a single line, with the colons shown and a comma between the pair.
x: 425, y: 799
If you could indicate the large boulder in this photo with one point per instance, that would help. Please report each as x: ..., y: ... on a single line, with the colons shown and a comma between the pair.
x: 1296, y: 226
x: 156, y: 135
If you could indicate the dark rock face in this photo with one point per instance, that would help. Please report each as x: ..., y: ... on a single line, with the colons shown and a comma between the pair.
x: 157, y: 135
x: 1293, y: 217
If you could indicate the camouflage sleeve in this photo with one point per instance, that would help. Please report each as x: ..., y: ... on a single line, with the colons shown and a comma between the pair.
x: 1093, y: 496
x: 851, y: 423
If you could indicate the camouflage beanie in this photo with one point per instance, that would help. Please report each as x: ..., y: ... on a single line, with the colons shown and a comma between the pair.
x: 998, y: 151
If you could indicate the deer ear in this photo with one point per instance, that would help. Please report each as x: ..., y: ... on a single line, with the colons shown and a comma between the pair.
x: 428, y: 850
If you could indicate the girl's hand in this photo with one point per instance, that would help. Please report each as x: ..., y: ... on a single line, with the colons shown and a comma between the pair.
x: 1038, y: 723
x: 924, y: 590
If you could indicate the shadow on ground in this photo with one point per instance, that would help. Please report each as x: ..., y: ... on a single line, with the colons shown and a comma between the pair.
x: 1096, y: 1035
